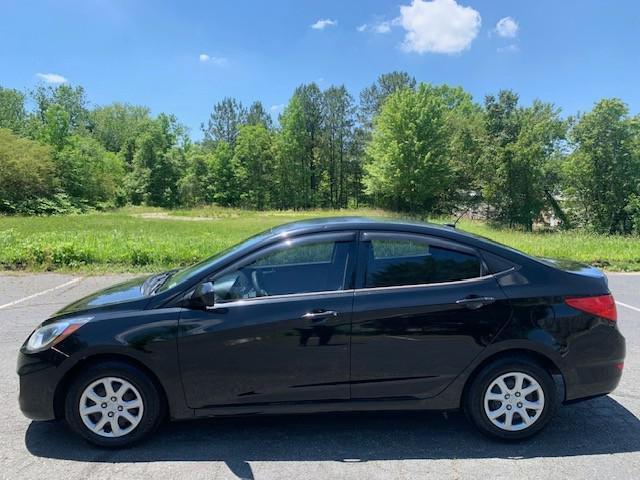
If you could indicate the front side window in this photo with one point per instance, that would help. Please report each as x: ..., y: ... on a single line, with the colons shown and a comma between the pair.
x: 289, y: 269
x: 416, y: 261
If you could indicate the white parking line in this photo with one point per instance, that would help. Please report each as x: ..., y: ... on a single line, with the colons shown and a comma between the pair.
x: 622, y: 305
x: 44, y: 292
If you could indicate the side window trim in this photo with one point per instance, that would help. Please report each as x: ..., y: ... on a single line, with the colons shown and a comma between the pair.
x: 364, y: 244
x: 367, y: 236
x: 481, y: 278
x: 293, y: 264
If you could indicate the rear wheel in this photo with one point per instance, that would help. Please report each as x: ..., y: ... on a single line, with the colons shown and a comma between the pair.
x: 113, y: 404
x: 511, y: 399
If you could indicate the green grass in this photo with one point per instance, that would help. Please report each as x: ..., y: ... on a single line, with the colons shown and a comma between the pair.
x: 131, y: 239
x: 611, y: 252
x: 144, y: 239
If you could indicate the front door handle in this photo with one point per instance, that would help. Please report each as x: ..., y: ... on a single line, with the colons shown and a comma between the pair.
x: 473, y: 303
x: 319, y: 316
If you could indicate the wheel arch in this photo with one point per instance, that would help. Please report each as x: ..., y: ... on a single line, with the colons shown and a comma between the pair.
x: 63, y: 385
x: 541, y: 359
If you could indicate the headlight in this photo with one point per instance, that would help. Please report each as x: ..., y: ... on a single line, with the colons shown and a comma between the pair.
x: 48, y: 335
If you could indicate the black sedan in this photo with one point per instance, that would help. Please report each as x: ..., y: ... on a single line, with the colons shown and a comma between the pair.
x: 330, y: 315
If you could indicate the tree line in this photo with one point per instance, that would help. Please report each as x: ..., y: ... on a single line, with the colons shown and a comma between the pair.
x: 401, y: 145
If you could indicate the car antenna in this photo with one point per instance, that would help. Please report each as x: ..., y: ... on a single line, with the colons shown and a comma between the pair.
x: 454, y: 224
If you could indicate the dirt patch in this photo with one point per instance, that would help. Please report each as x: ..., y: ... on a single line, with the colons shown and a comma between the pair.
x: 164, y: 216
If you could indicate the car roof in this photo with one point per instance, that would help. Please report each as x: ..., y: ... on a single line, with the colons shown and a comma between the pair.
x: 350, y: 222
x: 329, y: 224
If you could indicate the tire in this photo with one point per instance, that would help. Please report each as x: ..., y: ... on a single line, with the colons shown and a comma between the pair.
x: 487, y: 396
x: 133, y: 415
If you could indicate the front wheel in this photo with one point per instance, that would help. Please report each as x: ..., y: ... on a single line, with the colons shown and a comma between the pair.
x: 511, y: 399
x: 113, y: 404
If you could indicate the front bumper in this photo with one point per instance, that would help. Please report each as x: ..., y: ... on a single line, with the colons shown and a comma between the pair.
x: 40, y: 376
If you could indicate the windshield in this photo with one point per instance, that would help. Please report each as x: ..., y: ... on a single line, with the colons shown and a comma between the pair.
x: 188, y: 273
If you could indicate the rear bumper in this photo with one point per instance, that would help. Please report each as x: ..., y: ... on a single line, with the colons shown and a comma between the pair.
x: 593, y: 382
x: 597, y: 370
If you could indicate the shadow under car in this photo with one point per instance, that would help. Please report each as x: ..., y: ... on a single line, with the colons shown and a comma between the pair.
x: 598, y: 426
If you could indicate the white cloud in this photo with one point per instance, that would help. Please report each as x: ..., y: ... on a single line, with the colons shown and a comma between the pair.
x: 507, y: 27
x: 438, y: 26
x: 382, y: 27
x: 513, y: 48
x: 51, y: 77
x: 220, y: 61
x: 324, y: 23
x: 276, y: 108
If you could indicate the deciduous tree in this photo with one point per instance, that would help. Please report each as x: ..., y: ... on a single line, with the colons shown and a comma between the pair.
x: 13, y: 115
x: 27, y: 173
x: 408, y: 168
x: 88, y: 173
x: 253, y: 161
x: 517, y: 156
x: 603, y: 172
x: 116, y: 124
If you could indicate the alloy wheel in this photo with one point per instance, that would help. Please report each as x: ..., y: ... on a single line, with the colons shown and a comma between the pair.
x: 111, y: 407
x: 514, y: 401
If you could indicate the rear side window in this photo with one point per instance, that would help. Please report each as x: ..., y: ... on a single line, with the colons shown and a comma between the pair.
x: 397, y: 262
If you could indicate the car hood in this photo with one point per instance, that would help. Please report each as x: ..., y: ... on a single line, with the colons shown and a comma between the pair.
x: 121, y: 294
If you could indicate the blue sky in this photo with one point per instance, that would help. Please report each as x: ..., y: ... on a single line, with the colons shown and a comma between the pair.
x: 182, y: 57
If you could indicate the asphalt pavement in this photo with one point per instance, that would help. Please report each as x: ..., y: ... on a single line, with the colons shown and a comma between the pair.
x: 599, y: 438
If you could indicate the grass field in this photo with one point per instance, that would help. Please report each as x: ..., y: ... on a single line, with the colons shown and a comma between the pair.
x: 143, y: 239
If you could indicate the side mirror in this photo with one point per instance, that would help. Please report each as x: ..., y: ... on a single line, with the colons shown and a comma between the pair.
x: 203, y: 296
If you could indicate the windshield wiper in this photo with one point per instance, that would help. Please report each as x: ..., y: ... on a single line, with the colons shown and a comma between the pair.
x: 164, y: 279
x: 154, y: 282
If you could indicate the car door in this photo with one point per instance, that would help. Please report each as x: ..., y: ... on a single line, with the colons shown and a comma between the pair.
x: 279, y: 328
x: 423, y: 309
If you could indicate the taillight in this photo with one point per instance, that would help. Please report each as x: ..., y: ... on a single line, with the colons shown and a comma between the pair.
x: 601, y: 306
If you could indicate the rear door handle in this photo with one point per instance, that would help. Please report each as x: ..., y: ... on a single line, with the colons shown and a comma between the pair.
x: 319, y: 316
x: 474, y: 303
